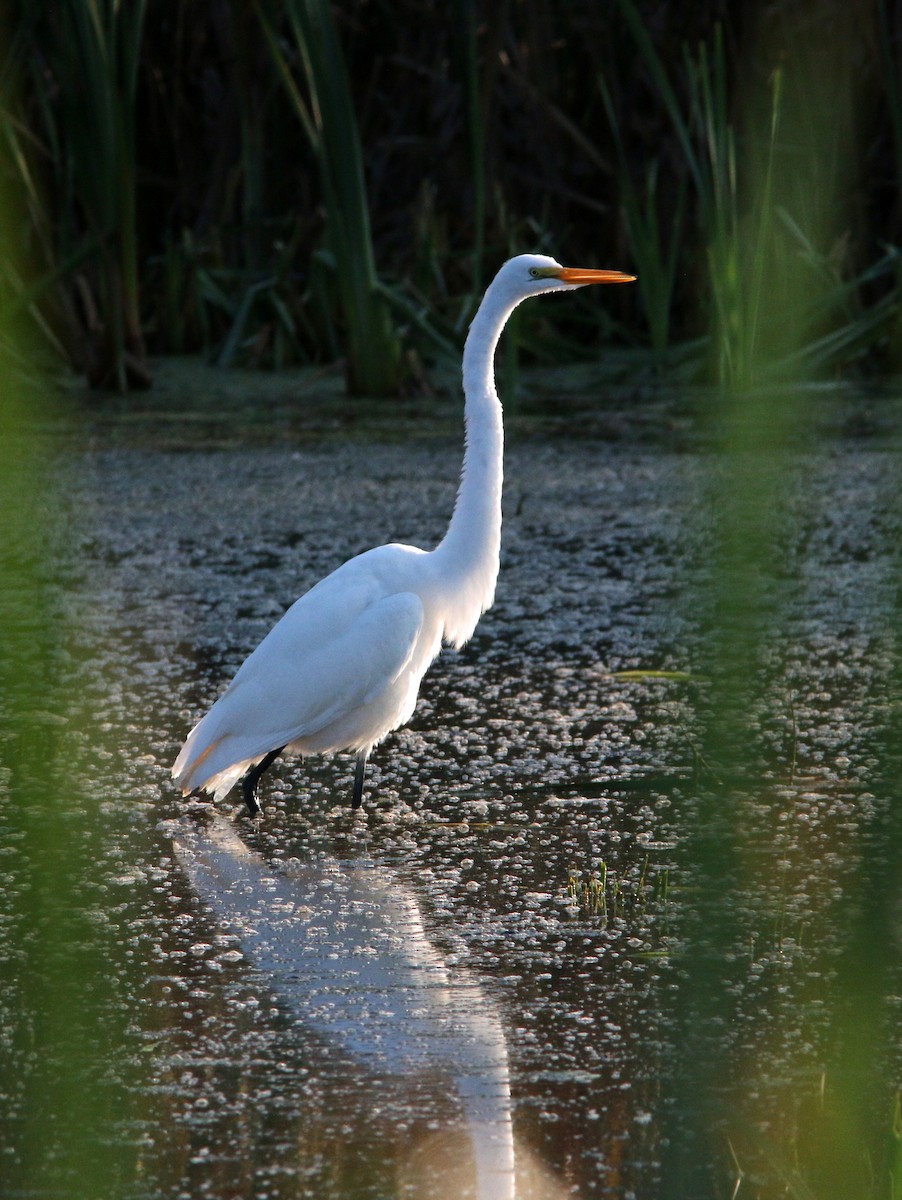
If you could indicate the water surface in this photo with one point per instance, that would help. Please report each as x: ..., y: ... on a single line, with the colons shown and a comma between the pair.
x: 520, y: 847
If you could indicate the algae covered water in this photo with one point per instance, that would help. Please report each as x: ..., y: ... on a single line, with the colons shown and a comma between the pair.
x: 485, y: 983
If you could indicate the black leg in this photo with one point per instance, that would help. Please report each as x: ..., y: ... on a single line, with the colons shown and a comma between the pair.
x: 252, y: 778
x: 358, y: 781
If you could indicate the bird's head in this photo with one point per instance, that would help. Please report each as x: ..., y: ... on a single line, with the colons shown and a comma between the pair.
x: 532, y: 274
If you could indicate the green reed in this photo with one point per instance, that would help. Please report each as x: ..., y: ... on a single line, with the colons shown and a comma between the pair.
x: 654, y: 241
x: 93, y: 53
x: 329, y: 121
x: 779, y: 299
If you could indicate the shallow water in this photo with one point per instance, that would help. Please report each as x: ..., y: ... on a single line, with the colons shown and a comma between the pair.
x: 525, y: 830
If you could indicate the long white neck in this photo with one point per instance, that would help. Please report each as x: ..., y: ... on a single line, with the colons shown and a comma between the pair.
x: 469, y: 552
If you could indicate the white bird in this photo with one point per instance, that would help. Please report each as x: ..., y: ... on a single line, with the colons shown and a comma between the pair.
x: 342, y: 668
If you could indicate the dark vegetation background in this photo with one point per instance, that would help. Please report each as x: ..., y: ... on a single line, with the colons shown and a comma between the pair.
x: 271, y: 183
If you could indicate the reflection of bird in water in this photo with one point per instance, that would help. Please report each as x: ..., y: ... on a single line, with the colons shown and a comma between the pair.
x: 343, y: 944
x: 343, y: 666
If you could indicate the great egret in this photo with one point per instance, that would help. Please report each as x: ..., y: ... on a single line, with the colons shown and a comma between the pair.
x: 342, y: 668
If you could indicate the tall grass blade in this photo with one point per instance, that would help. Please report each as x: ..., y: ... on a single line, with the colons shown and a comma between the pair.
x: 659, y: 76
x: 656, y: 249
x: 373, y: 349
x: 93, y: 53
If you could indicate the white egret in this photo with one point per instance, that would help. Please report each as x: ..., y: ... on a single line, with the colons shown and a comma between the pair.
x: 342, y: 668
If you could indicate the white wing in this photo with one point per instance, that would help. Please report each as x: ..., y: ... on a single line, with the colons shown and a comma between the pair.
x: 336, y: 649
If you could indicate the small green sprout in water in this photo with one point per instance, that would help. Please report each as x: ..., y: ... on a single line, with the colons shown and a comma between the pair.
x: 606, y: 894
x: 589, y: 896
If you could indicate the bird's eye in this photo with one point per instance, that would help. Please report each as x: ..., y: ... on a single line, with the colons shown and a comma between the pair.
x: 534, y: 272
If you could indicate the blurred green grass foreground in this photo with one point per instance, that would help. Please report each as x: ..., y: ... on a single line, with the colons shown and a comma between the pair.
x: 270, y: 184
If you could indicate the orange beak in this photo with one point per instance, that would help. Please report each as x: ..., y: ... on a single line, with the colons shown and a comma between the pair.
x: 587, y: 275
